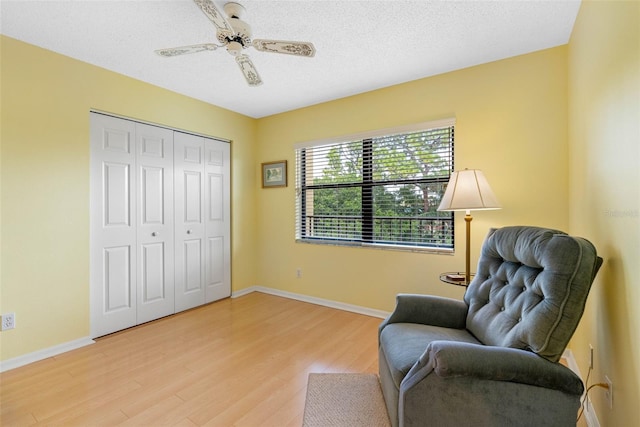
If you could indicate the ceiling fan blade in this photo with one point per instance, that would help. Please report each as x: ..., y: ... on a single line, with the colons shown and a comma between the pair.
x: 214, y: 15
x: 182, y: 50
x: 286, y: 47
x: 249, y: 71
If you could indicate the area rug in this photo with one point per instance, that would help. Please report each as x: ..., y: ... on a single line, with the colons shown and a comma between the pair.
x: 344, y: 400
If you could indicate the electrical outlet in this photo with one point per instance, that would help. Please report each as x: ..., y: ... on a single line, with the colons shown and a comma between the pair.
x: 298, y: 273
x: 8, y: 321
x: 608, y: 394
x: 590, y: 356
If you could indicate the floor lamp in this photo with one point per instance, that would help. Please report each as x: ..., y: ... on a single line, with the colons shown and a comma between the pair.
x: 468, y: 190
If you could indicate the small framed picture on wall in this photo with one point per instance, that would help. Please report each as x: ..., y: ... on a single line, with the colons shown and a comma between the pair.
x: 274, y: 174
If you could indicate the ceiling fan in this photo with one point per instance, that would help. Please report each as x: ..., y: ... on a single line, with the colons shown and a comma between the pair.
x: 235, y: 35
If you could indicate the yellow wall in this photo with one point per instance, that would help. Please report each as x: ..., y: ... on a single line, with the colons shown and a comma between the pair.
x: 511, y: 123
x: 556, y: 132
x: 46, y: 100
x: 604, y: 139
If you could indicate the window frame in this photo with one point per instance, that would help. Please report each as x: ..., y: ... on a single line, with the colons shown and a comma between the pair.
x: 367, y: 185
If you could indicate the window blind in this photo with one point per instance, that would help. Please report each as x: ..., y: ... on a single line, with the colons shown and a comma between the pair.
x: 381, y: 189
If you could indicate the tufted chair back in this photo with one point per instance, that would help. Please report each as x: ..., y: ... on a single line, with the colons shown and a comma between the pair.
x: 530, y: 289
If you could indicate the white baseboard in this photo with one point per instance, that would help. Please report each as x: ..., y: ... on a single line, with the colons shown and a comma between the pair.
x: 589, y: 413
x: 44, y: 354
x: 314, y: 300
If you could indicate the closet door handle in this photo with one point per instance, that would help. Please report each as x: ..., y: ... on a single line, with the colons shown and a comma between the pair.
x: 188, y: 231
x: 154, y: 234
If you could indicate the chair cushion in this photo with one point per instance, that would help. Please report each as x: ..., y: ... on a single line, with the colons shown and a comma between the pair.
x: 530, y: 289
x: 404, y: 343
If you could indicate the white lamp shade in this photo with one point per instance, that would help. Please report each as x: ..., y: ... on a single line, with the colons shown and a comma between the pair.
x: 468, y: 190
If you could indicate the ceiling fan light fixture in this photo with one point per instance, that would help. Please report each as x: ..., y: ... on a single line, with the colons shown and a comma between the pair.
x: 234, y: 48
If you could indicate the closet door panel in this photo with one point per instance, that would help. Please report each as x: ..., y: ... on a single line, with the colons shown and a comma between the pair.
x: 155, y: 222
x: 116, y: 179
x: 215, y: 261
x: 112, y: 225
x: 117, y: 286
x: 153, y: 280
x: 192, y: 280
x: 192, y: 197
x: 189, y: 221
x: 217, y: 225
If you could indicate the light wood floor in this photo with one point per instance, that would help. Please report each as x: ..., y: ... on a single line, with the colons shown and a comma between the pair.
x: 236, y: 362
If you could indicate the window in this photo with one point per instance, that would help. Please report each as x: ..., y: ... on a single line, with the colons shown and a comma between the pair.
x: 380, y: 189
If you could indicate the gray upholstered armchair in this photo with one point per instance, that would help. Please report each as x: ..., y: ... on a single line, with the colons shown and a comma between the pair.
x: 492, y: 359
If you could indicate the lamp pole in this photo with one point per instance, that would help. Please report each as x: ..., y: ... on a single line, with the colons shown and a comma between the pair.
x: 467, y: 270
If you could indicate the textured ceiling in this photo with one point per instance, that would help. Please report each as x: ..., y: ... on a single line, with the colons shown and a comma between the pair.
x: 361, y: 45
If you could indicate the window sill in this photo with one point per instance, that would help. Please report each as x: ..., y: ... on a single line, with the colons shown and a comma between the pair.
x: 379, y: 246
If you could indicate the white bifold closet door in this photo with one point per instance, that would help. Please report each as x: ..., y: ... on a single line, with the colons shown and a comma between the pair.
x: 154, y: 221
x: 159, y: 222
x: 113, y: 255
x: 202, y: 250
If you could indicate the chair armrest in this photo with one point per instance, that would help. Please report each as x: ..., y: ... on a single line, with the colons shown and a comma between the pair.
x: 459, y: 359
x: 428, y: 310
